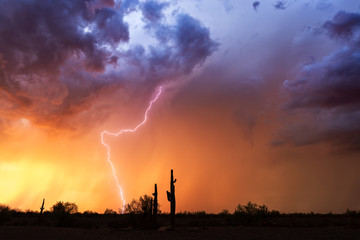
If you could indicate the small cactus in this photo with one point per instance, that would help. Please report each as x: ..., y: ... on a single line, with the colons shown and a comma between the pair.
x: 42, y: 206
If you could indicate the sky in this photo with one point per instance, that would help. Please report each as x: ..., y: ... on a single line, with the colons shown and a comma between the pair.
x: 260, y: 102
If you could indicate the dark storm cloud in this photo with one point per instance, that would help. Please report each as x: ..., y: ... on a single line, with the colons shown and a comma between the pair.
x: 110, y: 26
x: 184, y: 46
x: 44, y: 34
x: 41, y: 36
x: 152, y: 10
x: 280, y: 5
x: 55, y: 55
x: 344, y: 25
x: 193, y: 42
x: 37, y: 41
x: 329, y: 90
x: 255, y: 5
x: 334, y: 81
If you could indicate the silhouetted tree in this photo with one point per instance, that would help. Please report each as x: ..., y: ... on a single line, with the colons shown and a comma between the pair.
x: 240, y: 209
x: 263, y: 210
x: 89, y: 212
x: 110, y: 212
x: 67, y: 207
x: 251, y: 214
x: 251, y: 209
x: 5, y: 213
x: 140, y: 212
x: 63, y: 212
x: 225, y: 212
x: 141, y: 206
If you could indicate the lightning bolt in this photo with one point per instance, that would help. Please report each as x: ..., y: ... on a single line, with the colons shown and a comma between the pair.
x: 126, y: 131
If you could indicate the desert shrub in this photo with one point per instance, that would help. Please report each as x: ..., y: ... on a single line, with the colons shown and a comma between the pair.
x: 352, y: 213
x: 251, y: 214
x: 4, y: 208
x: 200, y: 213
x: 274, y: 213
x: 139, y: 212
x: 141, y: 206
x: 251, y: 209
x: 109, y: 211
x: 30, y: 212
x: 88, y: 212
x: 354, y: 218
x: 224, y: 212
x: 63, y: 212
x: 5, y: 213
x: 183, y: 214
x: 67, y: 207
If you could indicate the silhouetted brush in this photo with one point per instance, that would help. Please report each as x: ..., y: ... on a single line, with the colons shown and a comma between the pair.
x: 171, y: 199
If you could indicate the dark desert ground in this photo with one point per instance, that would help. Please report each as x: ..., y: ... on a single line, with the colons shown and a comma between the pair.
x: 192, y: 233
x: 197, y: 225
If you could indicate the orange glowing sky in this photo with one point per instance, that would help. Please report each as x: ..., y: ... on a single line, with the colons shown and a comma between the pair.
x: 245, y: 115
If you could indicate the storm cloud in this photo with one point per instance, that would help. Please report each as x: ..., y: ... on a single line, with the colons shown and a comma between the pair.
x: 280, y: 5
x: 56, y: 57
x: 152, y: 10
x: 327, y: 91
x: 256, y: 5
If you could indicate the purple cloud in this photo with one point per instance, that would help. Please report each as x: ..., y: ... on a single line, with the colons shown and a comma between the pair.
x: 53, y: 67
x: 256, y: 5
x: 330, y: 89
x: 344, y: 25
x: 152, y: 10
x: 280, y: 5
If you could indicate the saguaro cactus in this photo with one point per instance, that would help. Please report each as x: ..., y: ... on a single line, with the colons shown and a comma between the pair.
x: 42, y: 207
x: 155, y: 209
x: 171, y: 199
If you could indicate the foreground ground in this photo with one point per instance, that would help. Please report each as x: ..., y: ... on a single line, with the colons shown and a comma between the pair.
x: 51, y: 233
